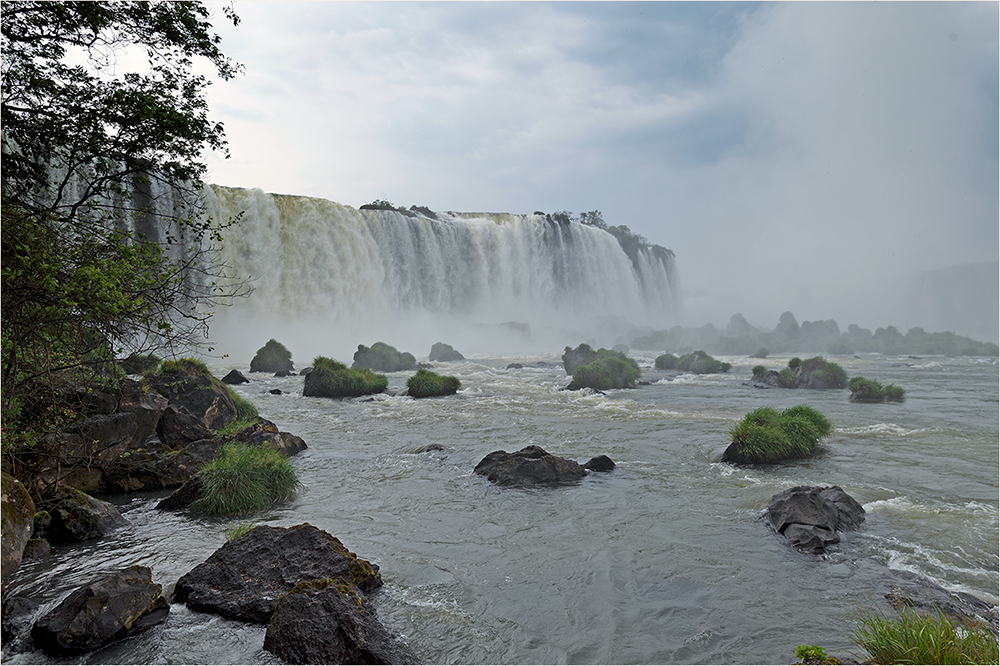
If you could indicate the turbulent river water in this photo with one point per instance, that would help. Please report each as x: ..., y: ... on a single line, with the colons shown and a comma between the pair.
x: 664, y: 560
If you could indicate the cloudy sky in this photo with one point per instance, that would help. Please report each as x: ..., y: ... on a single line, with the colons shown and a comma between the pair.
x: 810, y: 157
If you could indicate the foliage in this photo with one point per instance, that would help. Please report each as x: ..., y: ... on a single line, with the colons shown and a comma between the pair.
x: 787, y: 378
x: 234, y: 532
x: 140, y: 364
x: 243, y: 479
x: 666, y: 362
x: 759, y: 370
x: 426, y: 384
x: 767, y: 435
x: 332, y: 379
x: 821, y: 372
x: 272, y: 357
x: 813, y: 654
x: 869, y: 390
x: 383, y: 358
x: 915, y: 638
x: 79, y: 287
x: 611, y: 370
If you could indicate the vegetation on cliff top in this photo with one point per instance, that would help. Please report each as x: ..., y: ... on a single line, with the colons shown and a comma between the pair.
x: 610, y: 370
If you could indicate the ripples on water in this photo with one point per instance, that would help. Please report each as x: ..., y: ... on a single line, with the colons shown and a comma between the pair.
x: 662, y: 561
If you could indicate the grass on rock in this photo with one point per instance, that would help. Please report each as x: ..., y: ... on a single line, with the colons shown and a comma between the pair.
x: 244, y: 479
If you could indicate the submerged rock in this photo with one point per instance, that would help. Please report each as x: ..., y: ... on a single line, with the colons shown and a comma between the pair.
x: 810, y: 517
x: 244, y: 579
x: 532, y: 465
x: 331, y: 622
x: 105, y: 611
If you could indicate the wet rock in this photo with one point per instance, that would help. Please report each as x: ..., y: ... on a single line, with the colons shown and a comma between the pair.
x: 202, y: 395
x: 810, y: 517
x: 156, y: 466
x: 515, y: 366
x: 235, y: 377
x: 37, y: 548
x: 244, y: 579
x: 305, y: 371
x: 105, y: 611
x: 331, y: 622
x: 599, y: 464
x: 531, y: 465
x: 441, y: 352
x: 178, y: 427
x: 17, y: 516
x: 266, y: 432
x: 77, y: 516
x: 272, y: 357
x: 275, y: 391
x: 16, y: 617
x: 284, y: 373
x: 184, y: 496
x: 904, y: 589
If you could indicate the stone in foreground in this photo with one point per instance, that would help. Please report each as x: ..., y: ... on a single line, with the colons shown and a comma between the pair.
x: 532, y: 466
x: 810, y: 516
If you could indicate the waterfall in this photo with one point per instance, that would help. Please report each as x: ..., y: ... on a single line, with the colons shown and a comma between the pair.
x: 329, y: 277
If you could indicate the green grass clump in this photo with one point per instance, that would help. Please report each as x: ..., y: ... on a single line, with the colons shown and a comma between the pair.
x: 332, y: 379
x: 183, y: 367
x: 272, y: 357
x: 243, y: 479
x: 612, y: 370
x: 823, y: 372
x: 787, y: 378
x: 767, y: 435
x: 426, y: 384
x: 869, y: 390
x: 915, y: 638
x: 234, y: 532
x: 666, y: 362
x: 759, y: 370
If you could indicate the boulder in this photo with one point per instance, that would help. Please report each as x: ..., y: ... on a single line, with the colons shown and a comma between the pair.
x: 178, y: 427
x: 17, y: 516
x: 244, y: 579
x: 532, y: 465
x: 272, y: 357
x: 184, y: 496
x: 193, y: 388
x: 444, y: 353
x: 76, y: 516
x: 331, y: 622
x: 235, y: 377
x: 265, y: 432
x: 599, y: 464
x: 810, y: 517
x: 16, y: 616
x: 116, y: 606
x: 155, y: 466
x: 574, y: 358
x: 146, y: 406
x: 383, y: 358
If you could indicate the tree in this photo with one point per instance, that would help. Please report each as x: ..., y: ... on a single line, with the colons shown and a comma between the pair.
x: 96, y: 164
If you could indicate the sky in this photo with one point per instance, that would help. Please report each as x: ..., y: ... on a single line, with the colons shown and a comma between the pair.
x: 811, y: 157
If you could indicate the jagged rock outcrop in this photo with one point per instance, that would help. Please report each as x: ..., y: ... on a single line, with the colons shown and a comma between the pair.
x: 331, y: 622
x: 17, y: 516
x: 178, y: 427
x: 532, y: 465
x: 193, y: 388
x: 244, y: 579
x: 381, y: 357
x: 444, y: 353
x: 235, y: 377
x: 105, y: 611
x: 810, y: 516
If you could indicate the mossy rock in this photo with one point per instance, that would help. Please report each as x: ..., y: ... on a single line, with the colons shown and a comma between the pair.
x: 381, y: 357
x: 189, y: 383
x: 440, y: 352
x: 766, y: 435
x: 869, y: 390
x: 16, y: 522
x: 427, y: 384
x: 272, y: 357
x: 331, y: 379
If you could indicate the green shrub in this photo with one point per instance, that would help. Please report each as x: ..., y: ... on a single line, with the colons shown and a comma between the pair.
x: 701, y: 363
x: 795, y: 362
x: 821, y: 373
x: 426, y: 384
x: 183, y: 367
x: 243, y: 479
x: 869, y: 390
x: 383, y: 358
x: 611, y: 370
x: 915, y: 638
x: 787, y: 378
x: 666, y: 362
x: 759, y: 370
x: 332, y: 379
x: 272, y: 357
x: 767, y: 435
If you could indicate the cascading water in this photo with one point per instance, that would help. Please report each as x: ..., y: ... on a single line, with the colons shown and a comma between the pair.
x: 328, y: 277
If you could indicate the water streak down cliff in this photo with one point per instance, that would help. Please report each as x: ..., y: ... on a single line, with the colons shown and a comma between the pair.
x: 333, y: 275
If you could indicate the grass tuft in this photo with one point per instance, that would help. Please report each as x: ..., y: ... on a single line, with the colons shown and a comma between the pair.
x: 767, y: 435
x: 916, y: 638
x: 426, y: 384
x: 869, y: 390
x: 332, y: 379
x: 234, y: 532
x: 244, y: 479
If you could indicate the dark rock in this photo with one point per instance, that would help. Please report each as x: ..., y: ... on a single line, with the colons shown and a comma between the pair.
x: 244, y: 579
x: 36, y: 548
x: 383, y: 358
x: 139, y: 364
x: 531, y: 465
x: 284, y: 373
x: 425, y: 211
x: 105, y: 611
x: 431, y: 447
x: 444, y: 353
x: 77, y: 516
x: 178, y: 427
x: 305, y: 371
x: 584, y: 354
x: 809, y: 517
x: 202, y: 395
x: 331, y: 622
x: 184, y: 496
x: 146, y: 406
x: 275, y: 391
x: 265, y: 432
x: 904, y: 589
x: 17, y: 517
x: 599, y: 464
x: 272, y: 357
x: 235, y: 377
x: 16, y: 615
x: 514, y: 366
x: 105, y: 435
x: 155, y: 466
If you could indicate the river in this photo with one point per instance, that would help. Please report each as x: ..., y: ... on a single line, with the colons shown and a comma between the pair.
x: 664, y: 560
